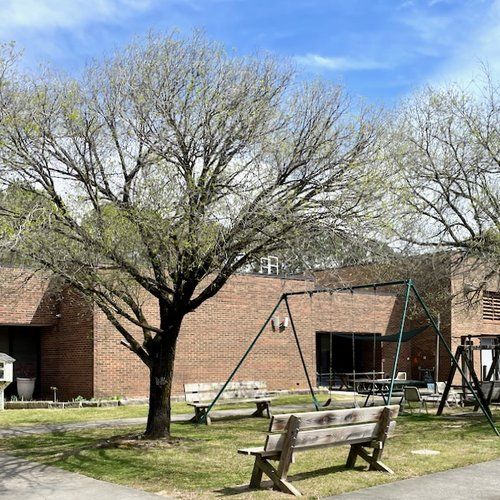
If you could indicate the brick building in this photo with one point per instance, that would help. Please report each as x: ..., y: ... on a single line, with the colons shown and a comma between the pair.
x: 67, y: 343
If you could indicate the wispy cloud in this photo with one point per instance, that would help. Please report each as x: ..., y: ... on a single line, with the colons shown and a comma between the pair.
x: 50, y: 14
x: 465, y: 41
x: 482, y: 47
x: 339, y: 63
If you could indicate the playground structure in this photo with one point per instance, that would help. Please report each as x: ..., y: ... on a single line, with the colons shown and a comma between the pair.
x: 465, y: 355
x: 400, y: 337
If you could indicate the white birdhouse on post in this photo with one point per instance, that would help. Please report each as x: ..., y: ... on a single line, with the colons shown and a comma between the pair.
x: 6, y: 375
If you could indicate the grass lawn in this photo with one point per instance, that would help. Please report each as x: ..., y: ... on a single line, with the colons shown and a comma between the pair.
x: 205, y: 463
x: 15, y: 418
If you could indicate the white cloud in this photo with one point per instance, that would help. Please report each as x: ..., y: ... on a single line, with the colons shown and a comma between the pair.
x: 479, y: 48
x: 51, y: 14
x: 338, y: 63
x: 462, y: 40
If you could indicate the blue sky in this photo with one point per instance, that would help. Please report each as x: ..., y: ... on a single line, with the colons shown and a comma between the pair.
x: 379, y: 49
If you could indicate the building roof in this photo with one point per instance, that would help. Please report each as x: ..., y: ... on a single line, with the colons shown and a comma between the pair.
x: 5, y: 357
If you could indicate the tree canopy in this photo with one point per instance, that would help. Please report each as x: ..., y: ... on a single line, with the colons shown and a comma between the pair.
x: 165, y: 168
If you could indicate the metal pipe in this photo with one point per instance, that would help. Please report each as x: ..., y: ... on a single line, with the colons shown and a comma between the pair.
x: 400, y: 338
x: 292, y: 324
x: 247, y: 352
x: 436, y: 373
x: 346, y: 288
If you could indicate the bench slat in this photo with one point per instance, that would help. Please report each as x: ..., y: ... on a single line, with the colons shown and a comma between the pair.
x: 350, y: 434
x: 258, y: 450
x: 234, y: 394
x: 216, y: 386
x: 204, y: 392
x: 206, y: 404
x: 332, y: 417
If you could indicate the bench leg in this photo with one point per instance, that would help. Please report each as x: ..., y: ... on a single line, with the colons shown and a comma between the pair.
x: 256, y: 478
x: 374, y: 460
x: 353, y: 455
x: 201, y: 416
x: 268, y: 410
x: 261, y: 408
x: 279, y: 483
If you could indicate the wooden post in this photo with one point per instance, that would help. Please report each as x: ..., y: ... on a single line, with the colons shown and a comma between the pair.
x: 385, y: 422
x: 481, y: 400
x: 256, y: 478
x: 287, y: 450
x: 353, y: 455
x: 449, y: 382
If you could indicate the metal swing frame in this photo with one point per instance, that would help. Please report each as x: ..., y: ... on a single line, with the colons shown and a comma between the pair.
x: 410, y: 288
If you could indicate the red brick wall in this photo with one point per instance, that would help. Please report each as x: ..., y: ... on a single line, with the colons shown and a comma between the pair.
x: 67, y: 350
x: 26, y: 298
x: 432, y: 280
x: 214, y: 337
x: 467, y: 317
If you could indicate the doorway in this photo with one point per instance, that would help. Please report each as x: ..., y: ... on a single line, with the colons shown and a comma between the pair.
x: 23, y: 344
x: 339, y: 352
x: 487, y: 354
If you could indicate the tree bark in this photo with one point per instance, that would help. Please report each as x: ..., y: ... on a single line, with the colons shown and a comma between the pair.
x: 162, y: 355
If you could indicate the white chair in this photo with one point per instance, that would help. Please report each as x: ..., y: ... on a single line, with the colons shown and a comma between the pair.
x: 412, y: 395
x: 453, y: 396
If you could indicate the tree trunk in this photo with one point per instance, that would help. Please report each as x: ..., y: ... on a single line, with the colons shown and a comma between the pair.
x: 160, y: 382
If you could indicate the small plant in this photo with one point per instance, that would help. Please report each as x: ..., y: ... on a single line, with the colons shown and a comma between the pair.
x: 14, y: 398
x: 25, y: 372
x: 79, y: 398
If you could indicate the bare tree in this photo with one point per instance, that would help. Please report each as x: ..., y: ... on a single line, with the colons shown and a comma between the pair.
x: 446, y: 154
x: 163, y: 170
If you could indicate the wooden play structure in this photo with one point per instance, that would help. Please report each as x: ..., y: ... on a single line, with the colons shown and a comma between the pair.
x: 487, y: 389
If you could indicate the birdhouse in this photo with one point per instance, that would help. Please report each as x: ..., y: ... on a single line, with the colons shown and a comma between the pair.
x: 6, y: 375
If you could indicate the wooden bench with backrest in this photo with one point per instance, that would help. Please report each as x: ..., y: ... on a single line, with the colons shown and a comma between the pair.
x: 361, y: 428
x: 200, y: 396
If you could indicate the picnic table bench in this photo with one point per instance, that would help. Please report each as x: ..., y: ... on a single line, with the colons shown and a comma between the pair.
x: 350, y: 380
x: 200, y: 397
x: 360, y: 428
x: 380, y: 388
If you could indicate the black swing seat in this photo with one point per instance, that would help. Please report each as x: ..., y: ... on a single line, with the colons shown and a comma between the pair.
x: 200, y: 397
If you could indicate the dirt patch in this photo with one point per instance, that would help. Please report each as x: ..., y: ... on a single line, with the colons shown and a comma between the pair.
x: 138, y: 441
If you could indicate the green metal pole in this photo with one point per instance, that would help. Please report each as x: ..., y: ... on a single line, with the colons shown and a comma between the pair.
x: 400, y: 337
x: 346, y: 288
x: 447, y: 347
x: 240, y: 362
x: 315, y: 401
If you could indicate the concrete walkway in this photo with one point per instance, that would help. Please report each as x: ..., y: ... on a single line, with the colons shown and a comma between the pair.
x: 475, y: 482
x: 23, y: 480
x: 124, y: 422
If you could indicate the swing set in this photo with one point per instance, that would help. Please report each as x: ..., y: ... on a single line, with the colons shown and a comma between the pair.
x: 399, y: 337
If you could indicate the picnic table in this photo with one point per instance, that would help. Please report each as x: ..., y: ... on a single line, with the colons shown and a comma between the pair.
x: 381, y: 387
x: 352, y: 379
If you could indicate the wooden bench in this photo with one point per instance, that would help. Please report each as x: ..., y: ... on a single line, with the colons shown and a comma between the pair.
x: 288, y: 434
x: 200, y: 396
